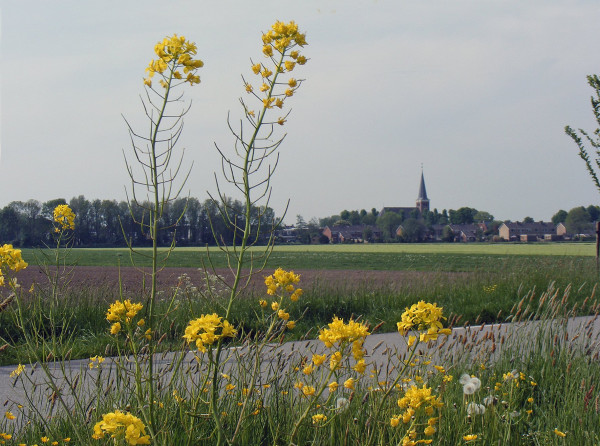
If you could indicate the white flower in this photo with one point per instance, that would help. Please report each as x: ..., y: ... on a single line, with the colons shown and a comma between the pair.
x: 475, y: 409
x: 342, y: 404
x: 469, y: 388
x: 464, y: 378
x: 470, y: 384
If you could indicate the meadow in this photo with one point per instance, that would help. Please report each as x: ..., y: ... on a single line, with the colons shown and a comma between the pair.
x: 226, y: 380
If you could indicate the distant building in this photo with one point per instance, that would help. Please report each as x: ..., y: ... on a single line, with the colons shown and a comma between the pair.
x: 352, y: 234
x: 422, y: 204
x: 462, y: 233
x: 528, y: 232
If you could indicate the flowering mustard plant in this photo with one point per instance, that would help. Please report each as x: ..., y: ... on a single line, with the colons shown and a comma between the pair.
x: 121, y: 426
x: 175, y: 55
x: 425, y: 317
x: 64, y: 218
x: 207, y: 329
x: 10, y: 260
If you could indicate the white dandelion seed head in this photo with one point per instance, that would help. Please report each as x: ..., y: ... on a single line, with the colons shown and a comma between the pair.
x: 475, y: 409
x: 464, y: 378
x: 342, y: 403
x: 469, y: 388
x: 476, y: 382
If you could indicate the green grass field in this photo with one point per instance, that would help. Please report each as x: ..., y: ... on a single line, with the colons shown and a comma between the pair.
x: 419, y: 257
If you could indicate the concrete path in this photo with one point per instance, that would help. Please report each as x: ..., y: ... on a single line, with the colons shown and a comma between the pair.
x: 473, y: 344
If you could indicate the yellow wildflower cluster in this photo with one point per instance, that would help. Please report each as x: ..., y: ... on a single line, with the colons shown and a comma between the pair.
x: 120, y: 425
x: 423, y: 316
x: 174, y: 53
x: 16, y: 372
x: 283, y: 280
x: 281, y: 39
x: 340, y: 333
x: 208, y: 329
x: 417, y: 401
x: 64, y: 217
x: 95, y: 362
x: 10, y: 259
x: 122, y: 312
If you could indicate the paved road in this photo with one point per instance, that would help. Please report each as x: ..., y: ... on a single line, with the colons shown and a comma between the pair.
x: 475, y: 344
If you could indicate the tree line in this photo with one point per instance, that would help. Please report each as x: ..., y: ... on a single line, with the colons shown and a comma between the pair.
x: 578, y: 220
x: 107, y: 223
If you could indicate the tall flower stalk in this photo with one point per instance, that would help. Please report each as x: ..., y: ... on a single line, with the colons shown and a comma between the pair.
x: 174, y: 66
x: 250, y: 169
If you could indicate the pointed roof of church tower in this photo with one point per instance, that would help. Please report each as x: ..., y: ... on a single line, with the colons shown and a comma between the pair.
x: 422, y: 190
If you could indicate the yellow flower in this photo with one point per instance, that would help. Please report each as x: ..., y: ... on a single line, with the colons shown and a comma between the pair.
x: 281, y: 314
x: 175, y: 52
x: 262, y: 303
x: 256, y: 68
x: 340, y: 333
x: 64, y: 216
x: 318, y: 359
x: 123, y: 311
x: 281, y: 121
x: 470, y: 437
x: 115, y: 328
x: 292, y: 82
x: 141, y: 323
x: 349, y: 383
x: 360, y: 366
x: 45, y: 439
x: 121, y: 425
x: 334, y: 360
x: 95, y: 362
x: 318, y: 418
x: 16, y: 372
x: 308, y: 369
x: 559, y: 433
x: 10, y: 259
x: 290, y: 325
x: 148, y: 334
x: 267, y: 50
x: 289, y: 66
x: 423, y: 316
x: 275, y: 306
x: 9, y: 416
x: 268, y: 102
x: 394, y: 421
x: 308, y: 390
x: 207, y: 329
x: 332, y: 386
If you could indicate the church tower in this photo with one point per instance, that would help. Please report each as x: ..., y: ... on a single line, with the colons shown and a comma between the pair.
x: 422, y: 200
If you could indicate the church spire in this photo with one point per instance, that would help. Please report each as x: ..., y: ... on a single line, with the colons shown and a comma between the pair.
x: 422, y: 200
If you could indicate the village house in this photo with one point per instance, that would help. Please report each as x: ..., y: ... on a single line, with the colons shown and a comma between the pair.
x: 528, y: 232
x: 462, y: 233
x: 352, y: 234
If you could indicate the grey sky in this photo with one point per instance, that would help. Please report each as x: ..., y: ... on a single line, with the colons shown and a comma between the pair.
x: 478, y: 91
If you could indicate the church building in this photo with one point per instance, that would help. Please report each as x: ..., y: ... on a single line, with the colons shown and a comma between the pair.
x: 422, y: 204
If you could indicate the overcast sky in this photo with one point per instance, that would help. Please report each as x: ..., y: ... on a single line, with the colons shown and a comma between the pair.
x: 477, y: 91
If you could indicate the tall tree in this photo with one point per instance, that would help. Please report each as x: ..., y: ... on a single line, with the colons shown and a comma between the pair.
x: 560, y: 217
